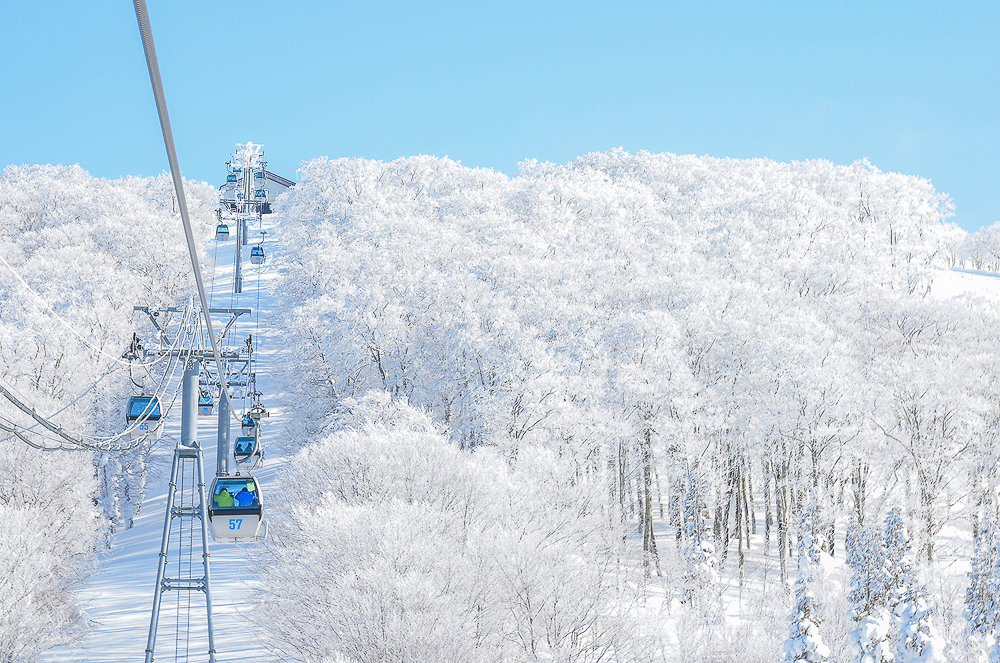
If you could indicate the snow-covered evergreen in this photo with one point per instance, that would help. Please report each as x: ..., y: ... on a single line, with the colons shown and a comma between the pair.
x: 913, y: 631
x: 981, y: 598
x: 918, y: 641
x: 870, y: 640
x: 804, y: 643
x: 898, y: 562
x: 699, y: 576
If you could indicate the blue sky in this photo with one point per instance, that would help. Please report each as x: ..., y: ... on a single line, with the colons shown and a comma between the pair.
x: 912, y: 86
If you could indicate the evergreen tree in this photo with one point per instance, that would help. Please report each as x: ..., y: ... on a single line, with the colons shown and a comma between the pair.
x: 804, y: 644
x: 898, y: 560
x: 699, y: 551
x: 869, y: 641
x: 916, y: 639
x: 981, y: 607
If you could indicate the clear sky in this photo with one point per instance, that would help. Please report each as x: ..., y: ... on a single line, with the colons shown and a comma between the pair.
x: 912, y: 86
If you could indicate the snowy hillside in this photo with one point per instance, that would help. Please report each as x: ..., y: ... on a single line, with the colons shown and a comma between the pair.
x: 633, y: 408
x: 691, y: 350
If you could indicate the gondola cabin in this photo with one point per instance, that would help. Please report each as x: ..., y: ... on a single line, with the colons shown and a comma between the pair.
x: 257, y: 255
x: 232, y: 177
x: 248, y: 424
x: 222, y: 231
x: 143, y: 417
x: 261, y: 193
x: 247, y: 450
x: 235, y: 508
x: 205, y: 404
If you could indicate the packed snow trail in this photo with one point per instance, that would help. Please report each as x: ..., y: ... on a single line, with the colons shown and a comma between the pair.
x: 118, y: 598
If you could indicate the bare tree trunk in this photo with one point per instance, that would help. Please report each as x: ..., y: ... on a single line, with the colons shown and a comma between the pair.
x: 859, y: 488
x: 781, y: 504
x: 927, y: 504
x: 648, y: 537
x: 639, y: 506
x: 767, y: 507
x: 731, y: 494
x: 741, y: 522
x: 676, y: 509
x: 622, y: 485
x: 659, y: 493
x: 613, y: 504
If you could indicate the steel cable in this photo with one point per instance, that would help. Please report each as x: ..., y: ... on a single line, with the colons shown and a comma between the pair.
x: 142, y: 16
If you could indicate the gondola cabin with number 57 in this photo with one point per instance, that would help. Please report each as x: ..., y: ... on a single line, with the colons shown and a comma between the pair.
x: 235, y: 508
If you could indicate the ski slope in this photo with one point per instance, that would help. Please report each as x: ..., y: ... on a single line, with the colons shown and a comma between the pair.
x: 954, y: 282
x: 118, y: 597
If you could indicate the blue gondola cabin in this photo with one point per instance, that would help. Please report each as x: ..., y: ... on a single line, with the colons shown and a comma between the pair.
x: 142, y: 417
x: 205, y: 404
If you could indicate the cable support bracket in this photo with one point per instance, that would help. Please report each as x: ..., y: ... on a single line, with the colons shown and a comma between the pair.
x: 197, y: 584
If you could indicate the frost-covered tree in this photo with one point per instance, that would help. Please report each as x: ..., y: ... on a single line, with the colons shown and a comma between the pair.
x: 899, y: 574
x: 915, y: 637
x: 870, y: 640
x: 804, y: 643
x: 46, y: 546
x: 981, y: 597
x: 82, y: 252
x: 484, y: 563
x: 699, y: 576
x: 78, y: 253
x: 632, y: 314
x: 918, y: 641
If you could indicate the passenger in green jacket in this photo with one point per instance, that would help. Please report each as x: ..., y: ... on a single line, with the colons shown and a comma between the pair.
x: 223, y: 499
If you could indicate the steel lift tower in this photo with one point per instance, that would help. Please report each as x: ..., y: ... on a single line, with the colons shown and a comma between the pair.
x: 244, y: 198
x: 187, y: 499
x: 196, y: 507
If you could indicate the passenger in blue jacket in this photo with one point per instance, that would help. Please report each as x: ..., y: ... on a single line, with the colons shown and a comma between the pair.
x: 244, y: 497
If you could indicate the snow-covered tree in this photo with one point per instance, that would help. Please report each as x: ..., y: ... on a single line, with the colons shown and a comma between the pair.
x: 484, y: 562
x: 899, y: 574
x: 915, y: 637
x: 804, y: 643
x: 78, y: 253
x: 981, y: 597
x: 699, y: 576
x: 635, y: 314
x: 870, y: 640
x: 918, y: 640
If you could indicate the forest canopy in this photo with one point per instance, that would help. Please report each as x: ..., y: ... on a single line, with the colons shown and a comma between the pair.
x: 713, y: 348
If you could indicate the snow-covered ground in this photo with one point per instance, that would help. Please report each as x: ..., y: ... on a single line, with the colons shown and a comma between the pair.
x: 948, y: 283
x: 118, y: 598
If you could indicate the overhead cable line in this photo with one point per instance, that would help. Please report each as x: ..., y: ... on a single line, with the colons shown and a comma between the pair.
x: 142, y: 16
x: 18, y: 432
